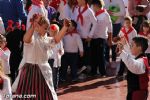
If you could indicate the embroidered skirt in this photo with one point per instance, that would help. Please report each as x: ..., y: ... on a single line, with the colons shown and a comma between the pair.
x: 32, y: 82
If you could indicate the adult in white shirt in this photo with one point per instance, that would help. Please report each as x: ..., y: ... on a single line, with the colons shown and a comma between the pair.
x: 101, y: 34
x: 86, y: 21
x: 116, y: 9
x: 70, y: 8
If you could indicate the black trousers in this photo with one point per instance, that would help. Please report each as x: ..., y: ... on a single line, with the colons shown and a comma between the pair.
x: 122, y: 68
x: 14, y: 62
x: 137, y: 95
x: 98, y: 56
x: 69, y: 59
x: 85, y: 60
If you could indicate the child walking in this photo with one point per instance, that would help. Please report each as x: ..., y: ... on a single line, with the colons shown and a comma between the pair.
x: 35, y: 74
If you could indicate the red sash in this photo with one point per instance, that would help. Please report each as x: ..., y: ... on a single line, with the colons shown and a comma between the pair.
x: 145, y: 59
x: 37, y: 2
x: 80, y: 16
x: 72, y: 32
x: 143, y: 34
x: 138, y: 2
x: 127, y: 32
x: 100, y: 12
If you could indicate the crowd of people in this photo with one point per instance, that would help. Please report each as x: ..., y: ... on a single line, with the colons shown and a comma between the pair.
x: 41, y: 39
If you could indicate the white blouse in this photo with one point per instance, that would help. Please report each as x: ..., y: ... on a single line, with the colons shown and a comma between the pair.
x: 5, y: 60
x: 5, y: 93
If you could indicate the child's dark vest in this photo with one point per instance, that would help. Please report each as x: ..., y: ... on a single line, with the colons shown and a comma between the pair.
x: 138, y: 82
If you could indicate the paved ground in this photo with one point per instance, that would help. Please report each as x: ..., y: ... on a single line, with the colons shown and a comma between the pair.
x: 94, y: 89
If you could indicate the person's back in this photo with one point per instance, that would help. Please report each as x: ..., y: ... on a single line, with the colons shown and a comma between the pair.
x: 12, y: 10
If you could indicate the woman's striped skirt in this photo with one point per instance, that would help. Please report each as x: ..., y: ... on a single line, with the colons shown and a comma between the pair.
x: 32, y: 83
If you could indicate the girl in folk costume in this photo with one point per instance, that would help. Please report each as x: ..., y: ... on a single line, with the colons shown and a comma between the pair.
x: 4, y: 54
x: 34, y: 66
x: 129, y: 33
x: 5, y: 86
x: 70, y: 9
x: 145, y: 32
x: 86, y: 21
x: 72, y: 44
x: 138, y: 10
x: 55, y: 59
x: 100, y: 36
x: 116, y: 9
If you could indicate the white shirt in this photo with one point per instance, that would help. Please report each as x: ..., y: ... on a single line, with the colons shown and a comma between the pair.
x: 135, y: 66
x: 126, y: 7
x: 6, y: 89
x: 5, y: 60
x: 61, y: 10
x: 88, y: 20
x: 69, y: 13
x: 36, y: 10
x: 131, y: 35
x: 104, y: 25
x: 72, y: 43
x: 58, y: 51
x: 117, y: 3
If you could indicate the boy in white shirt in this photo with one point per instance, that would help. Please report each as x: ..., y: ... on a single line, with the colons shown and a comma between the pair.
x: 86, y: 21
x: 129, y: 33
x: 102, y: 33
x: 72, y: 45
x: 55, y: 59
x: 138, y: 68
x: 116, y: 9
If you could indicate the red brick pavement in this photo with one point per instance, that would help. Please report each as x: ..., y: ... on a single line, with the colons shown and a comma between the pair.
x: 94, y: 89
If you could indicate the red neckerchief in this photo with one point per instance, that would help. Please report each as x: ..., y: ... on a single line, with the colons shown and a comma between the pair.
x: 143, y: 34
x: 145, y: 59
x: 72, y: 32
x: 37, y: 2
x: 80, y: 16
x: 99, y: 12
x: 138, y: 2
x: 123, y: 29
x: 5, y: 49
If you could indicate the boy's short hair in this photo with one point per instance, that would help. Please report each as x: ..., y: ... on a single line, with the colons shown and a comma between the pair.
x: 142, y: 42
x: 99, y: 3
x: 146, y: 23
x: 74, y: 23
x: 128, y: 18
